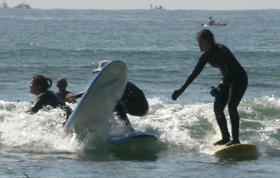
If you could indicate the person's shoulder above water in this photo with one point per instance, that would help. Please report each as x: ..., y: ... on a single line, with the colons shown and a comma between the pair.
x: 49, y: 97
x: 63, y: 96
x: 62, y: 93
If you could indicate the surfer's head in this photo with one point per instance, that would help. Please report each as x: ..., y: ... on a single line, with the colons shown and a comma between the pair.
x: 101, y: 65
x: 205, y: 39
x: 39, y: 83
x: 61, y: 83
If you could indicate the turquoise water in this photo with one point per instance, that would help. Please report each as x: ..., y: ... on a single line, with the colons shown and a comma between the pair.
x: 160, y: 50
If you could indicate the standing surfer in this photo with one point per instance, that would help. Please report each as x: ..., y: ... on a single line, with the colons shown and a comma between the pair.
x: 229, y: 91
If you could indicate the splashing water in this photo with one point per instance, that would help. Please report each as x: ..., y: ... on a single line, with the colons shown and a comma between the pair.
x: 189, y: 127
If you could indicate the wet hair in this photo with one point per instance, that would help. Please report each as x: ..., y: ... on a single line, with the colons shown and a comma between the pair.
x: 207, y: 35
x: 41, y: 80
x: 61, y: 82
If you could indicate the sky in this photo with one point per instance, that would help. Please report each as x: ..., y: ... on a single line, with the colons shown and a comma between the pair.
x: 146, y: 4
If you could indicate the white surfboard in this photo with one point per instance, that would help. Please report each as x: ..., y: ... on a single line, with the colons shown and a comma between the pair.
x: 96, y: 106
x: 244, y: 150
x: 140, y: 136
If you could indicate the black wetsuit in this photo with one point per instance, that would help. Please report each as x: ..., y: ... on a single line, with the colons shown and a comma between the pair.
x: 234, y: 81
x: 133, y: 102
x: 62, y: 95
x: 48, y: 98
x: 44, y: 99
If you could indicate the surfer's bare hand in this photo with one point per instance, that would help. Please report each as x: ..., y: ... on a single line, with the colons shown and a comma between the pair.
x: 70, y: 97
x: 176, y: 94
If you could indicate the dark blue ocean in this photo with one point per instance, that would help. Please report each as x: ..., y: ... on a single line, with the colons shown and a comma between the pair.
x: 160, y: 50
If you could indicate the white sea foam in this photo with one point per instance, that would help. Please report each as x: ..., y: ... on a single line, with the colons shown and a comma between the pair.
x: 187, y: 127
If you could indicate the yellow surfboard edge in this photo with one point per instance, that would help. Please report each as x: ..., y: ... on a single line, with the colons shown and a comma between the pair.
x: 237, y: 151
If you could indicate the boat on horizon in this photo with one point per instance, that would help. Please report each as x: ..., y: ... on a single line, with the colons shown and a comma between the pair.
x: 156, y: 8
x: 23, y: 6
x: 217, y: 24
x: 4, y: 5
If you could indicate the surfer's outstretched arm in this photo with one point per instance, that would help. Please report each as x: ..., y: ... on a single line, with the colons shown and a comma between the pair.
x: 199, y: 67
x: 71, y: 97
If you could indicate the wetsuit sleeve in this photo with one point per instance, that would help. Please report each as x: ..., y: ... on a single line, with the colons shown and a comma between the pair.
x: 36, y: 107
x: 79, y: 95
x: 198, y: 68
x: 38, y: 104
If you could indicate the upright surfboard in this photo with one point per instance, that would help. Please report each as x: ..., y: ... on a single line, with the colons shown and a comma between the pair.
x: 96, y: 106
x: 244, y: 150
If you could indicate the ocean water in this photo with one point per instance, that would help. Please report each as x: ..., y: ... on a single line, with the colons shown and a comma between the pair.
x: 160, y: 50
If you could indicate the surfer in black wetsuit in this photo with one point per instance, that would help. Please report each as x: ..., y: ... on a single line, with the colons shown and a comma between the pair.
x: 39, y: 86
x: 133, y: 100
x: 229, y: 91
x: 61, y: 85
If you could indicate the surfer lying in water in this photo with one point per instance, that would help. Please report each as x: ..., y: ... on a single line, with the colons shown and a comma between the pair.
x: 39, y: 86
x: 133, y: 100
x: 229, y: 91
